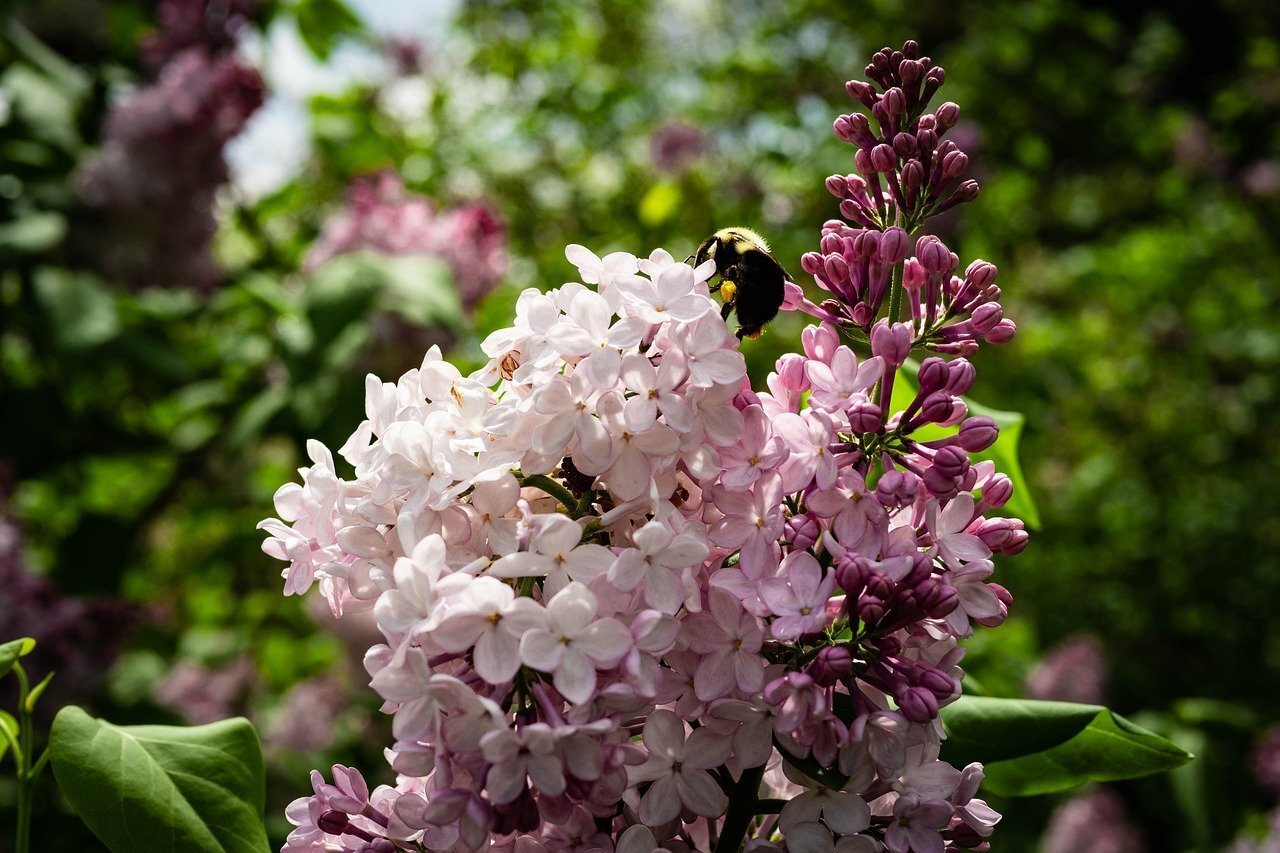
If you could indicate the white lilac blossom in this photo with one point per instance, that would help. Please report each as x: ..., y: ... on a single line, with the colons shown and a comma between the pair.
x: 615, y: 583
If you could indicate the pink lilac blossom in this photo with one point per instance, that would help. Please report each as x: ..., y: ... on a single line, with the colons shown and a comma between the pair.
x: 615, y: 584
x: 381, y: 216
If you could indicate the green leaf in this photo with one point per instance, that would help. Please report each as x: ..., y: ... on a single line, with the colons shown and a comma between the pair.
x: 81, y: 310
x: 34, y: 696
x: 322, y: 23
x: 11, y: 651
x: 163, y: 788
x: 1031, y: 747
x: 8, y: 733
x: 33, y: 232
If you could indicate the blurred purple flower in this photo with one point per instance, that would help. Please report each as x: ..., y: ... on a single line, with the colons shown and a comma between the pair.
x: 676, y: 146
x: 310, y: 711
x: 1262, y: 179
x: 380, y: 216
x: 203, y: 694
x: 1265, y: 760
x: 76, y: 638
x: 1093, y: 821
x: 1073, y: 671
x: 161, y: 161
x: 212, y: 24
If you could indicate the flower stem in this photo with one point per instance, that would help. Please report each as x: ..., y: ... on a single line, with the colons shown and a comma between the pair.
x: 742, y: 808
x: 22, y: 761
x: 551, y: 487
x: 895, y: 294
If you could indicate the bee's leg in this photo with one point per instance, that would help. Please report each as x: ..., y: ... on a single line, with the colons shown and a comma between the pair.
x: 725, y: 310
x: 691, y: 257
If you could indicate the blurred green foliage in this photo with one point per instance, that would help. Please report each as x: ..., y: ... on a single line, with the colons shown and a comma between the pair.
x: 1131, y: 196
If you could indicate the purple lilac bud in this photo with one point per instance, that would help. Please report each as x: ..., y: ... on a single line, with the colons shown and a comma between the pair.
x: 865, y: 417
x: 830, y: 665
x: 896, y: 488
x: 803, y: 531
x: 891, y: 342
x: 978, y: 433
x: 997, y: 491
x: 333, y: 822
x: 917, y: 704
x: 1003, y: 535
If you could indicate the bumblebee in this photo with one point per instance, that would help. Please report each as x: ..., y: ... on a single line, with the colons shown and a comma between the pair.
x: 752, y: 282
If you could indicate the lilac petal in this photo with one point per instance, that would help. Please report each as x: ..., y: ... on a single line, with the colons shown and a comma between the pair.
x: 701, y: 794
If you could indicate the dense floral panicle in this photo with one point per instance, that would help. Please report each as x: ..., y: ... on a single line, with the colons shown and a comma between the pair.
x: 161, y: 164
x: 615, y: 583
x: 214, y: 25
x: 379, y: 215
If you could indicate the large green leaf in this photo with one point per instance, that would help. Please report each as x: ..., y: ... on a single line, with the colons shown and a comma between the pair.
x: 163, y: 788
x: 1031, y: 747
x: 1004, y: 453
x: 11, y: 651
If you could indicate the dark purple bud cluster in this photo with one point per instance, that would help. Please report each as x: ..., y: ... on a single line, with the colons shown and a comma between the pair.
x: 161, y: 163
x: 905, y: 173
x: 906, y: 170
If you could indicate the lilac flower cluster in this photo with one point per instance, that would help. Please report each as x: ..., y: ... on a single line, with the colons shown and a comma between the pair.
x: 906, y: 172
x: 161, y: 161
x: 624, y: 595
x: 381, y: 216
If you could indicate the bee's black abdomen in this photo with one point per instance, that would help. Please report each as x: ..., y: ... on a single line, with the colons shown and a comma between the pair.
x: 761, y: 289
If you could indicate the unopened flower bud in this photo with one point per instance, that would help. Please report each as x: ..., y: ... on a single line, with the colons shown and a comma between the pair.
x: 997, y: 491
x: 1001, y: 333
x: 861, y: 91
x: 1006, y: 601
x: 831, y: 244
x: 830, y: 665
x: 967, y: 191
x: 893, y: 246
x: 333, y: 822
x: 978, y: 433
x: 883, y: 158
x: 891, y: 342
x: 912, y: 174
x: 933, y: 375
x: 838, y: 186
x: 843, y: 129
x: 1003, y: 535
x: 811, y: 263
x: 955, y: 164
x: 913, y: 274
x: 936, y: 407
x: 932, y: 254
x: 917, y: 704
x: 851, y: 573
x: 865, y: 417
x: 986, y: 317
x: 951, y: 462
x: 866, y: 244
x: 803, y: 531
x: 896, y: 488
x: 980, y: 273
x: 904, y: 145
x: 936, y: 598
x: 947, y: 114
x: 863, y: 314
x: 835, y: 268
x: 960, y: 376
x: 381, y: 845
x: 792, y: 372
x: 895, y: 103
x: 862, y: 162
x: 935, y: 680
